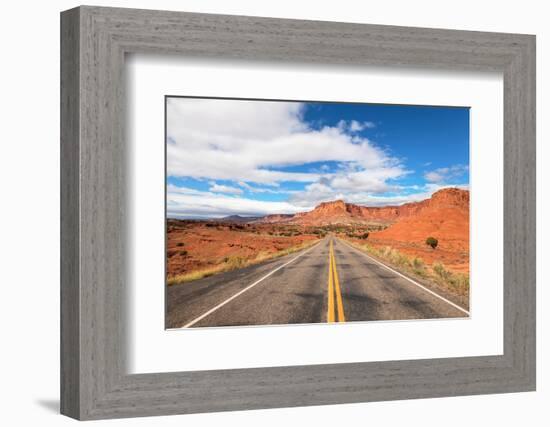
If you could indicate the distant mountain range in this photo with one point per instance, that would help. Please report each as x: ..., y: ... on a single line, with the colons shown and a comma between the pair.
x: 340, y: 212
x: 238, y: 219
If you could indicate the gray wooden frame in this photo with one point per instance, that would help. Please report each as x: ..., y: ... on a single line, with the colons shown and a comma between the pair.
x: 94, y: 41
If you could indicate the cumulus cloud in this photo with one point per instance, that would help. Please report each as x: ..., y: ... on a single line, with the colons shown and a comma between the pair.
x: 252, y: 141
x: 445, y: 174
x: 349, y: 182
x: 318, y: 193
x: 274, y: 190
x: 217, y: 188
x: 354, y: 125
x: 252, y: 146
x: 185, y: 202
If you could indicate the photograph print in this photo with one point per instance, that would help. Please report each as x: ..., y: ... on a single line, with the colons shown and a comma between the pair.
x: 308, y: 212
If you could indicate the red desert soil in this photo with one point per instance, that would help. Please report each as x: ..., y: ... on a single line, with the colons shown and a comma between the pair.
x: 237, y: 241
x: 199, y: 245
x: 444, y: 216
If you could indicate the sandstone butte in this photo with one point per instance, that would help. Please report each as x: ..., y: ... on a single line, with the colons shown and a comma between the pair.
x: 445, y: 215
x: 339, y: 212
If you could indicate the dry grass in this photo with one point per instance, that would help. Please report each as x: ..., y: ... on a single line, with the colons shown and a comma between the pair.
x: 457, y: 282
x: 235, y: 262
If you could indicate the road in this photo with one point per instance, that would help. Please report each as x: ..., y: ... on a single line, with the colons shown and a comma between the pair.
x: 329, y: 282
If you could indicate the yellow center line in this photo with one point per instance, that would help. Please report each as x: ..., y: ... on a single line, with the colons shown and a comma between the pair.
x: 334, y: 287
x: 330, y: 311
x: 339, y: 304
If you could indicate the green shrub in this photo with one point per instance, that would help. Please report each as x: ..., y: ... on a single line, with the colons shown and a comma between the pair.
x: 179, y: 244
x: 432, y: 241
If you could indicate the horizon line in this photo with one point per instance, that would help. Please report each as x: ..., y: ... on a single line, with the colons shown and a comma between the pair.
x: 259, y: 216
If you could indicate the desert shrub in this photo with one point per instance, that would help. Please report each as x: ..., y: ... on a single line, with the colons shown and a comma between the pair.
x: 441, y: 271
x: 236, y: 262
x: 183, y: 253
x: 262, y: 255
x: 460, y: 281
x: 400, y: 259
x: 417, y: 262
x: 432, y: 241
x: 365, y: 236
x: 418, y: 266
x: 179, y: 244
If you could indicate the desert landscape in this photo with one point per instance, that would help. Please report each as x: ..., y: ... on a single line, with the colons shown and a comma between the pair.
x: 291, y: 212
x: 395, y: 234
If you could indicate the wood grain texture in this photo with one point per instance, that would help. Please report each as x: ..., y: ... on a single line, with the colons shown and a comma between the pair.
x: 94, y: 203
x: 70, y: 291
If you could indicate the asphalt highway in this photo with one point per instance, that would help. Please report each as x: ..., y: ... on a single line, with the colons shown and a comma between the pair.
x: 329, y: 282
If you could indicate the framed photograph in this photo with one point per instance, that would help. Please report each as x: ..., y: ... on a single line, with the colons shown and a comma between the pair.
x: 266, y: 199
x: 262, y: 213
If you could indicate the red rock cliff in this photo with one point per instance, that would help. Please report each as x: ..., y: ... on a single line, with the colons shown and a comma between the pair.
x: 340, y: 212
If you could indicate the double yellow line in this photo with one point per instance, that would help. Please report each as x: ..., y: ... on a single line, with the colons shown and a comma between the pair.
x: 334, y: 291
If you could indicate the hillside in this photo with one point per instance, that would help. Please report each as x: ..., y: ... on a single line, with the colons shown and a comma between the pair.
x: 339, y: 212
x: 444, y: 216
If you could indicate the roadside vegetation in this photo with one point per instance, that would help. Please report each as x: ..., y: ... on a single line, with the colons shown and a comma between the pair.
x: 230, y: 263
x: 204, y: 248
x: 432, y: 242
x: 458, y: 283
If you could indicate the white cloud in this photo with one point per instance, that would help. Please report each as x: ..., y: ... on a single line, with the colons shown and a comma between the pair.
x: 372, y: 180
x: 349, y: 182
x: 441, y: 175
x: 252, y: 189
x: 435, y: 176
x: 354, y: 126
x: 246, y: 140
x: 318, y: 193
x: 190, y: 203
x: 217, y: 188
x: 399, y: 199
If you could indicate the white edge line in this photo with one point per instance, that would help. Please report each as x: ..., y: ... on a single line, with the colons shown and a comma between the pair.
x: 220, y: 305
x: 409, y: 279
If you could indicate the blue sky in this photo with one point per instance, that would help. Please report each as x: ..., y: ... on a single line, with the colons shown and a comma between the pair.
x: 228, y: 157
